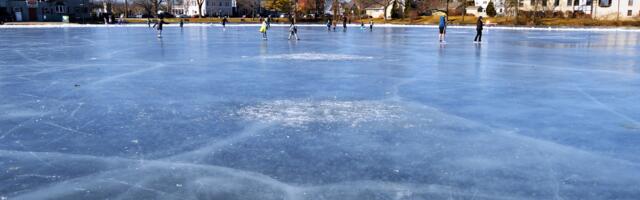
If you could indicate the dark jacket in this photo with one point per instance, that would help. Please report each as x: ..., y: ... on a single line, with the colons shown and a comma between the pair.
x: 479, y: 25
x: 158, y: 25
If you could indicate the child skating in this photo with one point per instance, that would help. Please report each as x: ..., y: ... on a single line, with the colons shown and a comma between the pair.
x: 442, y: 27
x: 263, y: 30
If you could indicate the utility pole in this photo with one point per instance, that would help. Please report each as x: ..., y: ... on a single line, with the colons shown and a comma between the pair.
x: 126, y: 9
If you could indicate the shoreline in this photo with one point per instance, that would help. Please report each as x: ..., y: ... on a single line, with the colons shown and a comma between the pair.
x: 387, y: 25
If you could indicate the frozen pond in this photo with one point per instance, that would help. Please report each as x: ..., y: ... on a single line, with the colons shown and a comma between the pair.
x: 116, y: 113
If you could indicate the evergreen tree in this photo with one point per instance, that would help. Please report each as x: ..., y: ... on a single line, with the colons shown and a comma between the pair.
x: 395, y: 10
x: 491, y: 10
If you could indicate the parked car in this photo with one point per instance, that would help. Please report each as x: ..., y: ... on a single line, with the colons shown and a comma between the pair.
x: 182, y: 16
x: 284, y: 16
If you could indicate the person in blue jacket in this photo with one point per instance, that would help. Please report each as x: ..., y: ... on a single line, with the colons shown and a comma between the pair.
x: 442, y: 27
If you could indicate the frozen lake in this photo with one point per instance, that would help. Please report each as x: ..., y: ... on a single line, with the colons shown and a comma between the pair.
x: 116, y: 113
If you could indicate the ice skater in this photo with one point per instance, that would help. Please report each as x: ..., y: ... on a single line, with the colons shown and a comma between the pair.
x: 224, y: 22
x: 361, y: 25
x: 181, y: 23
x: 149, y: 22
x: 370, y: 25
x: 158, y: 26
x: 329, y: 25
x: 442, y: 26
x: 263, y: 29
x: 293, y: 31
x: 479, y: 27
x: 344, y: 23
x: 269, y: 22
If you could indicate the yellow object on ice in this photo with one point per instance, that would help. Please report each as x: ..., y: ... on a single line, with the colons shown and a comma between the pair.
x: 263, y: 28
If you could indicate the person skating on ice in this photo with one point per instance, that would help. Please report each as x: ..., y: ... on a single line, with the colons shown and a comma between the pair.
x: 269, y: 22
x: 442, y: 27
x: 263, y: 29
x: 224, y: 22
x: 158, y: 26
x: 293, y: 31
x: 479, y: 27
x: 344, y: 23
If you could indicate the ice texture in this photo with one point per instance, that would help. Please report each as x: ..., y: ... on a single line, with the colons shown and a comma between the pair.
x: 90, y: 112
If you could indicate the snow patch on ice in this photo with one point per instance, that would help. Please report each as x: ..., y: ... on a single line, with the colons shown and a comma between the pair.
x: 300, y: 113
x: 317, y: 56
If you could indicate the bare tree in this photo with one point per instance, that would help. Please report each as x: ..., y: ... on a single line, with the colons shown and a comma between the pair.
x: 248, y: 6
x: 512, y: 8
x: 146, y: 5
x: 200, y: 3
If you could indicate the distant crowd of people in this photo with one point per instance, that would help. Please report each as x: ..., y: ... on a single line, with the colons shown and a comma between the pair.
x: 331, y: 25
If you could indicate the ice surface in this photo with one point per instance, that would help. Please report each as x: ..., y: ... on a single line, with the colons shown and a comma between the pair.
x: 202, y: 113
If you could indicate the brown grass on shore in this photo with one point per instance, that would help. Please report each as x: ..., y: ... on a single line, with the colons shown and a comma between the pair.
x: 509, y: 21
x: 431, y: 20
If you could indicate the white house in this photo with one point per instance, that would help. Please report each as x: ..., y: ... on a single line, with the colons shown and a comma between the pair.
x: 598, y: 9
x: 617, y: 9
x: 375, y: 12
x: 210, y: 8
x: 378, y: 11
x: 497, y: 4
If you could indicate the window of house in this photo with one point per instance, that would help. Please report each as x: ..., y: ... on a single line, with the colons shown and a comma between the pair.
x: 60, y: 9
x: 630, y: 2
x: 629, y: 13
x: 605, y: 3
x: 533, y: 2
x: 569, y: 2
x: 544, y: 2
x: 576, y: 2
x: 556, y: 3
x: 220, y: 4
